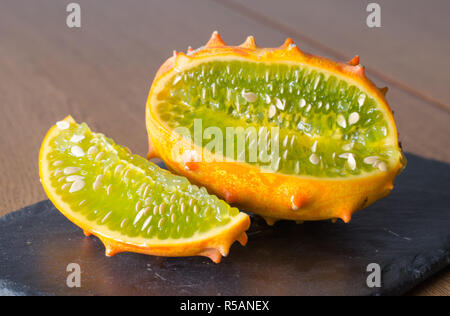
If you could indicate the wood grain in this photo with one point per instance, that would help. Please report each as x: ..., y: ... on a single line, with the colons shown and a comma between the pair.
x: 101, y: 73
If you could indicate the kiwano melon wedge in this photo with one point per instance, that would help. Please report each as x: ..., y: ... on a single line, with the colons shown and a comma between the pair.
x: 279, y: 132
x: 130, y: 203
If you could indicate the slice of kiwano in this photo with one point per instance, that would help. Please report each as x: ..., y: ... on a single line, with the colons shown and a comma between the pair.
x: 279, y: 132
x: 130, y: 203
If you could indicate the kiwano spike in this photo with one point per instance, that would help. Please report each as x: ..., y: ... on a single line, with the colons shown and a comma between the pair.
x: 359, y: 70
x: 243, y: 238
x: 190, y: 50
x: 215, y: 40
x: 86, y: 233
x: 346, y: 217
x: 287, y: 43
x: 354, y: 61
x: 212, y: 253
x: 384, y: 90
x: 249, y: 43
x: 270, y: 220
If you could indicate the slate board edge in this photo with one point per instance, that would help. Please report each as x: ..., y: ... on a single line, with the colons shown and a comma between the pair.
x: 441, y: 260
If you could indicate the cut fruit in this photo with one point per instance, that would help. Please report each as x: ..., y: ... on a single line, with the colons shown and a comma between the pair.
x: 130, y: 203
x: 279, y: 132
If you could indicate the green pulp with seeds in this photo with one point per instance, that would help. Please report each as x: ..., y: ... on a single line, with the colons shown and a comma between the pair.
x: 112, y: 187
x: 326, y: 127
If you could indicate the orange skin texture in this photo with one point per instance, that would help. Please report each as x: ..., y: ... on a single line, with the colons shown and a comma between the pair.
x: 213, y: 247
x: 271, y: 195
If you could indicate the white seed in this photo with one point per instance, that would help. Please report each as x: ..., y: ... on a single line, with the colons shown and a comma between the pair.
x: 77, y: 151
x: 161, y: 208
x: 147, y: 190
x: 382, y: 166
x: 58, y: 163
x: 76, y: 138
x: 161, y: 222
x: 106, y: 217
x: 314, y: 159
x: 98, y: 182
x: 351, y: 161
x: 276, y: 164
x: 308, y: 108
x: 348, y: 147
x: 138, y: 206
x: 173, y: 218
x: 280, y: 104
x: 353, y: 118
x: 99, y: 156
x: 250, y: 96
x: 74, y: 178
x: 108, y: 190
x: 62, y: 125
x: 316, y: 83
x: 118, y: 169
x: 77, y: 185
x: 341, y: 121
x: 140, y: 214
x: 292, y: 140
x: 65, y: 186
x: 267, y: 98
x: 122, y: 224
x: 314, y: 147
x: 285, y: 140
x: 147, y: 222
x: 92, y: 150
x: 344, y: 155
x: 272, y: 111
x: 57, y: 172
x: 302, y: 102
x: 361, y: 99
x: 297, y: 167
x: 70, y: 170
x: 370, y: 160
x: 148, y: 201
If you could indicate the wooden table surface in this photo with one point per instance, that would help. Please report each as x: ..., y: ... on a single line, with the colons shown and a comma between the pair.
x: 101, y: 73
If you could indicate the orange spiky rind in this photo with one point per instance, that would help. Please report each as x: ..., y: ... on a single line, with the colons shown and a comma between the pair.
x: 246, y: 185
x: 215, y: 41
x: 354, y: 61
x: 249, y: 43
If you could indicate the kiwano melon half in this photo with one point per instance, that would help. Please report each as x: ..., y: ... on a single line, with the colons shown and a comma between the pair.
x: 276, y: 131
x: 130, y: 203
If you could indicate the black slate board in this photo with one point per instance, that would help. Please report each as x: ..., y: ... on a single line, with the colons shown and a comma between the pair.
x: 407, y: 233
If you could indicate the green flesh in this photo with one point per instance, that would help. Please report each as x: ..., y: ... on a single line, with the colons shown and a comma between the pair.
x: 214, y: 92
x: 143, y: 200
